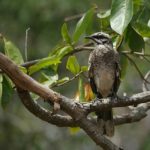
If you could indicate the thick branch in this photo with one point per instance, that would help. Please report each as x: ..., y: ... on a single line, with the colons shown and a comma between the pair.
x: 103, y: 104
x: 45, y: 115
x: 77, y: 111
x: 24, y: 81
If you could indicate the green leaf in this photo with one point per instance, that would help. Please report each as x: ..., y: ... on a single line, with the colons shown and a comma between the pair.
x: 81, y: 90
x: 1, y: 88
x: 135, y: 41
x: 82, y: 24
x: 117, y: 40
x: 104, y: 14
x: 143, y: 15
x: 43, y: 63
x: 65, y: 33
x: 13, y: 52
x: 62, y: 80
x: 7, y: 92
x: 63, y: 51
x: 2, y: 44
x: 84, y: 68
x: 73, y: 65
x: 137, y: 4
x: 121, y: 15
x: 50, y: 79
x: 142, y: 29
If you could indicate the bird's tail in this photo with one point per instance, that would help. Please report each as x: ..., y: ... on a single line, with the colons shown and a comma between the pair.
x: 105, y: 122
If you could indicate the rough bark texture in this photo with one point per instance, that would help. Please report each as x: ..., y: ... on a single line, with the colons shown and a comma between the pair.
x: 76, y: 113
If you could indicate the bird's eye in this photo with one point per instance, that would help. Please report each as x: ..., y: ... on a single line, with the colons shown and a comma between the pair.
x: 105, y: 41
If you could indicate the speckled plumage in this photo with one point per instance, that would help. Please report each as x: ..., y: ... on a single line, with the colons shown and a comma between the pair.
x: 104, y: 75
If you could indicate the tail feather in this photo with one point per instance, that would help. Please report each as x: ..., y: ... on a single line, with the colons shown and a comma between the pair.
x: 105, y: 122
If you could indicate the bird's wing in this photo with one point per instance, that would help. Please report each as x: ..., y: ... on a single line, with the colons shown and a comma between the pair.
x: 91, y: 73
x: 117, y: 74
x: 91, y: 78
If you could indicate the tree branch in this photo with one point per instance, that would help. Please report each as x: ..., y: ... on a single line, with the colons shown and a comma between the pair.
x: 77, y: 111
x: 45, y: 115
x: 107, y: 103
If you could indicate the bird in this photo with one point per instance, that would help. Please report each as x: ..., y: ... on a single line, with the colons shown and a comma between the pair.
x: 104, y: 75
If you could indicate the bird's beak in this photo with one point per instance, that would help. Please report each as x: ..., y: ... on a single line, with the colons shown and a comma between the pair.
x: 89, y: 37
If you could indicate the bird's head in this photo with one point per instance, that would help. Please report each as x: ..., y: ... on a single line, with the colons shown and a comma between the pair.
x: 100, y: 38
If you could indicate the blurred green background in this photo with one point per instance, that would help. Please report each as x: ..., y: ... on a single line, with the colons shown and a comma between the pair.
x: 19, y: 129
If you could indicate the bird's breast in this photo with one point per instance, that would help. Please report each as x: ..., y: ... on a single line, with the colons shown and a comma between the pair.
x: 104, y: 80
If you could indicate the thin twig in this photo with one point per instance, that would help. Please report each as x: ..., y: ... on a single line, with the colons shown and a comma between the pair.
x: 61, y: 84
x: 26, y: 44
x: 136, y: 67
x: 135, y: 53
x: 146, y: 59
x: 70, y: 18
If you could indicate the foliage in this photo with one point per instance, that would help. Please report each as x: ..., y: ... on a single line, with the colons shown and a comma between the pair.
x: 127, y: 23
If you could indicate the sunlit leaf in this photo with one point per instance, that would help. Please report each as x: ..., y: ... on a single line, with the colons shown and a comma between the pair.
x: 121, y: 14
x: 82, y: 24
x: 45, y: 62
x: 7, y: 92
x: 73, y: 65
x: 63, y: 51
x: 65, y: 34
x: 13, y: 52
x: 84, y: 68
x: 81, y: 90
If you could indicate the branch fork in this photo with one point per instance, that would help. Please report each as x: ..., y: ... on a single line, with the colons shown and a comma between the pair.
x: 76, y: 113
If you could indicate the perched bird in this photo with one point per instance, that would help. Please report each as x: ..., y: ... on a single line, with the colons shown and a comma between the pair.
x: 104, y: 75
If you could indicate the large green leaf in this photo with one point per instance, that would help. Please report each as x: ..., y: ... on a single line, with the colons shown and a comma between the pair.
x: 7, y: 92
x: 142, y: 29
x: 121, y: 15
x: 82, y: 24
x: 137, y: 4
x: 135, y: 41
x: 1, y: 89
x: 2, y: 44
x: 13, y: 52
x: 45, y: 62
x: 73, y: 65
x: 65, y: 33
x: 142, y: 15
x: 104, y: 19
